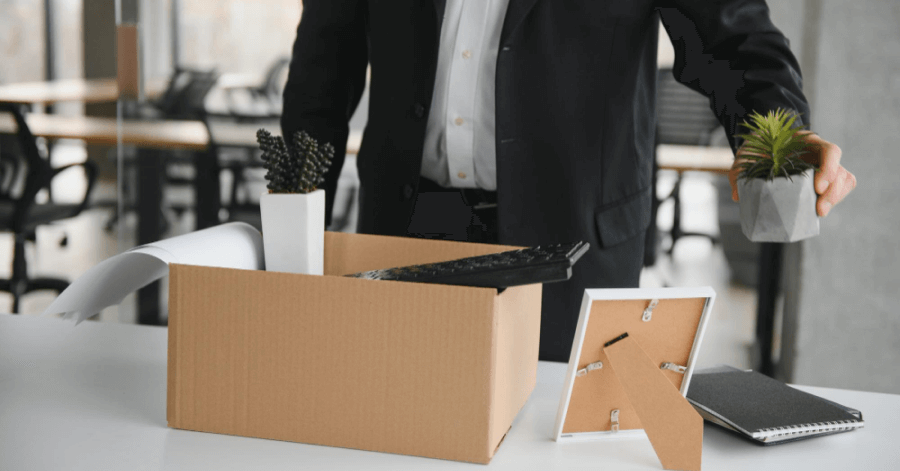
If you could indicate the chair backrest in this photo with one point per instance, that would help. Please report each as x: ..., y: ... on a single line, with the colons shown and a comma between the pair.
x: 683, y: 116
x: 29, y: 162
x: 11, y: 168
x: 276, y: 76
x: 26, y: 162
x: 186, y: 93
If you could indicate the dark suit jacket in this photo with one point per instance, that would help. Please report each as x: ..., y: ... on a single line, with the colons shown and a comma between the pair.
x: 575, y: 102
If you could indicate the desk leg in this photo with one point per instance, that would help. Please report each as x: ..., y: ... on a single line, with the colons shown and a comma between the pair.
x: 206, y: 188
x: 149, y: 201
x: 770, y: 260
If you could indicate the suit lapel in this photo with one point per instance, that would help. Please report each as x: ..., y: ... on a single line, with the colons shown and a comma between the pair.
x: 439, y: 8
x: 515, y: 13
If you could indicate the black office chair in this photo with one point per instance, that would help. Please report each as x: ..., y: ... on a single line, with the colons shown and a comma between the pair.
x: 683, y: 117
x: 183, y: 99
x: 25, y: 173
x: 263, y: 100
x: 185, y: 95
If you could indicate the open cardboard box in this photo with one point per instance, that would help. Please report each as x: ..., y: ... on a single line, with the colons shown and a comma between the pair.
x: 419, y: 369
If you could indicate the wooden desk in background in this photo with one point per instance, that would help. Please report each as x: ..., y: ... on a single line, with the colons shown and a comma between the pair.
x: 98, y: 90
x: 159, y: 134
x: 694, y: 159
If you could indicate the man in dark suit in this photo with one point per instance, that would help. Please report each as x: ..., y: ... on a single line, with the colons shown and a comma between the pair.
x: 537, y: 114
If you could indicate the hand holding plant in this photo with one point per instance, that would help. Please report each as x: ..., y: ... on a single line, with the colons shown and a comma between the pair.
x: 776, y: 147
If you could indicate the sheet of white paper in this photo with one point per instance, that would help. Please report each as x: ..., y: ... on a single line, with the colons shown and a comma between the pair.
x: 232, y: 245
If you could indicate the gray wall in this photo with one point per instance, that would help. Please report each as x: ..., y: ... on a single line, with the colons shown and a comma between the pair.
x: 842, y: 325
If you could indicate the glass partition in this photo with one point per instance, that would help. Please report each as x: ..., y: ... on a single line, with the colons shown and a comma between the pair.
x: 197, y: 78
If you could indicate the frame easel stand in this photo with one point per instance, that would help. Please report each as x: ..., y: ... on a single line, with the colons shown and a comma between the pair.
x: 630, y: 368
x: 673, y: 426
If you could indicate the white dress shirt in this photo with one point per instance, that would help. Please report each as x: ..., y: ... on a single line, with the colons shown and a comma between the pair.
x: 460, y: 149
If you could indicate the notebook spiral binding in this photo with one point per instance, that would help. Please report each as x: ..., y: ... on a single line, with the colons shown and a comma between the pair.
x: 768, y: 434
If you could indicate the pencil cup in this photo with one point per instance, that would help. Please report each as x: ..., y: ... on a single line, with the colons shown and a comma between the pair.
x: 293, y: 229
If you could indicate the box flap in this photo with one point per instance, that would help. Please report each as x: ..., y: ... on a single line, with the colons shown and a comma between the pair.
x: 354, y: 253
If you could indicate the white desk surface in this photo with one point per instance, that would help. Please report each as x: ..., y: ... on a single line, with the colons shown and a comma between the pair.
x: 93, y: 397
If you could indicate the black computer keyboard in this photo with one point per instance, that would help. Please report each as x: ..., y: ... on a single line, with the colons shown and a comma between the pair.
x: 542, y: 264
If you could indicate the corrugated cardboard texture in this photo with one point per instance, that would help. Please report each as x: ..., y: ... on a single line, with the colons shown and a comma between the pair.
x: 516, y: 342
x: 673, y: 426
x: 667, y: 337
x: 428, y: 370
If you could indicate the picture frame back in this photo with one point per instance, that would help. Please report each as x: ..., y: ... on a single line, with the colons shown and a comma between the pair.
x: 672, y: 333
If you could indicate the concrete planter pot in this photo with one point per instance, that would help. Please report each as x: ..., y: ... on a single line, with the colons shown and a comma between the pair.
x: 779, y: 210
x: 293, y: 230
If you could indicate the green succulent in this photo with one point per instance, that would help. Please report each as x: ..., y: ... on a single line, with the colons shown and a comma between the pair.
x: 777, y: 145
x: 298, y: 168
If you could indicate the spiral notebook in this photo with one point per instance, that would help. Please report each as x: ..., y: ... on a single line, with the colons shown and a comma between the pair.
x: 764, y: 409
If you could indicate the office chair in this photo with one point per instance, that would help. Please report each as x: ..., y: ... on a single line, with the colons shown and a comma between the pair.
x: 21, y: 214
x: 264, y: 99
x: 683, y: 117
x: 183, y: 99
x: 185, y: 96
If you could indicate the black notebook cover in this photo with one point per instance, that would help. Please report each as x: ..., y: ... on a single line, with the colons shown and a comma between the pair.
x: 765, y: 409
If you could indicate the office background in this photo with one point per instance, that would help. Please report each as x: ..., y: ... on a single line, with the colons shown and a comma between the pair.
x: 836, y: 321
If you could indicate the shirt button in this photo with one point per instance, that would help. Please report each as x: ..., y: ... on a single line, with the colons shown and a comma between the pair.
x: 461, y: 174
x: 419, y: 110
x: 467, y: 54
x: 458, y: 121
x: 407, y: 191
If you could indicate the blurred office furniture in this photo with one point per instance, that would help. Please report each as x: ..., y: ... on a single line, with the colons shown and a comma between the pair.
x: 683, y: 117
x: 157, y: 172
x: 84, y: 90
x: 183, y: 99
x: 26, y: 172
x: 157, y: 134
x: 259, y: 104
x: 160, y: 134
x: 741, y: 254
x: 103, y: 90
x: 262, y: 100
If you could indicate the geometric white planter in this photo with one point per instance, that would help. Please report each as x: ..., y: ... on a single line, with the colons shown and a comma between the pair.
x: 779, y: 210
x: 293, y: 230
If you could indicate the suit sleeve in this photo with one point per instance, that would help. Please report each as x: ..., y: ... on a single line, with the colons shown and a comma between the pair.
x: 730, y: 51
x: 326, y: 78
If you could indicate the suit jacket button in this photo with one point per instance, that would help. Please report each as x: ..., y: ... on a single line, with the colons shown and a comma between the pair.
x: 419, y: 110
x: 407, y: 191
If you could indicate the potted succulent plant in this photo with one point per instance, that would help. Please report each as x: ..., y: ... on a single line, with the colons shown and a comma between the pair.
x: 775, y: 185
x: 293, y: 208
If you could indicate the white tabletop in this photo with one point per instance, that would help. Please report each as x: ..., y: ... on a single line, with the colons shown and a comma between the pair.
x: 93, y: 397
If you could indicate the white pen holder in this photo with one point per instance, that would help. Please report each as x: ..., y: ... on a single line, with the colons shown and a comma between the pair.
x: 293, y: 229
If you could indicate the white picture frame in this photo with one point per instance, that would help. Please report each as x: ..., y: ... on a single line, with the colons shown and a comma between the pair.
x: 592, y: 295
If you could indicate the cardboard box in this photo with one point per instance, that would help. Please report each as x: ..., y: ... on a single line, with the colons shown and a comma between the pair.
x: 419, y: 369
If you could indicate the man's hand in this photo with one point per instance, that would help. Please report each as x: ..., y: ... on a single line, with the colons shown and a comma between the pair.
x: 832, y: 181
